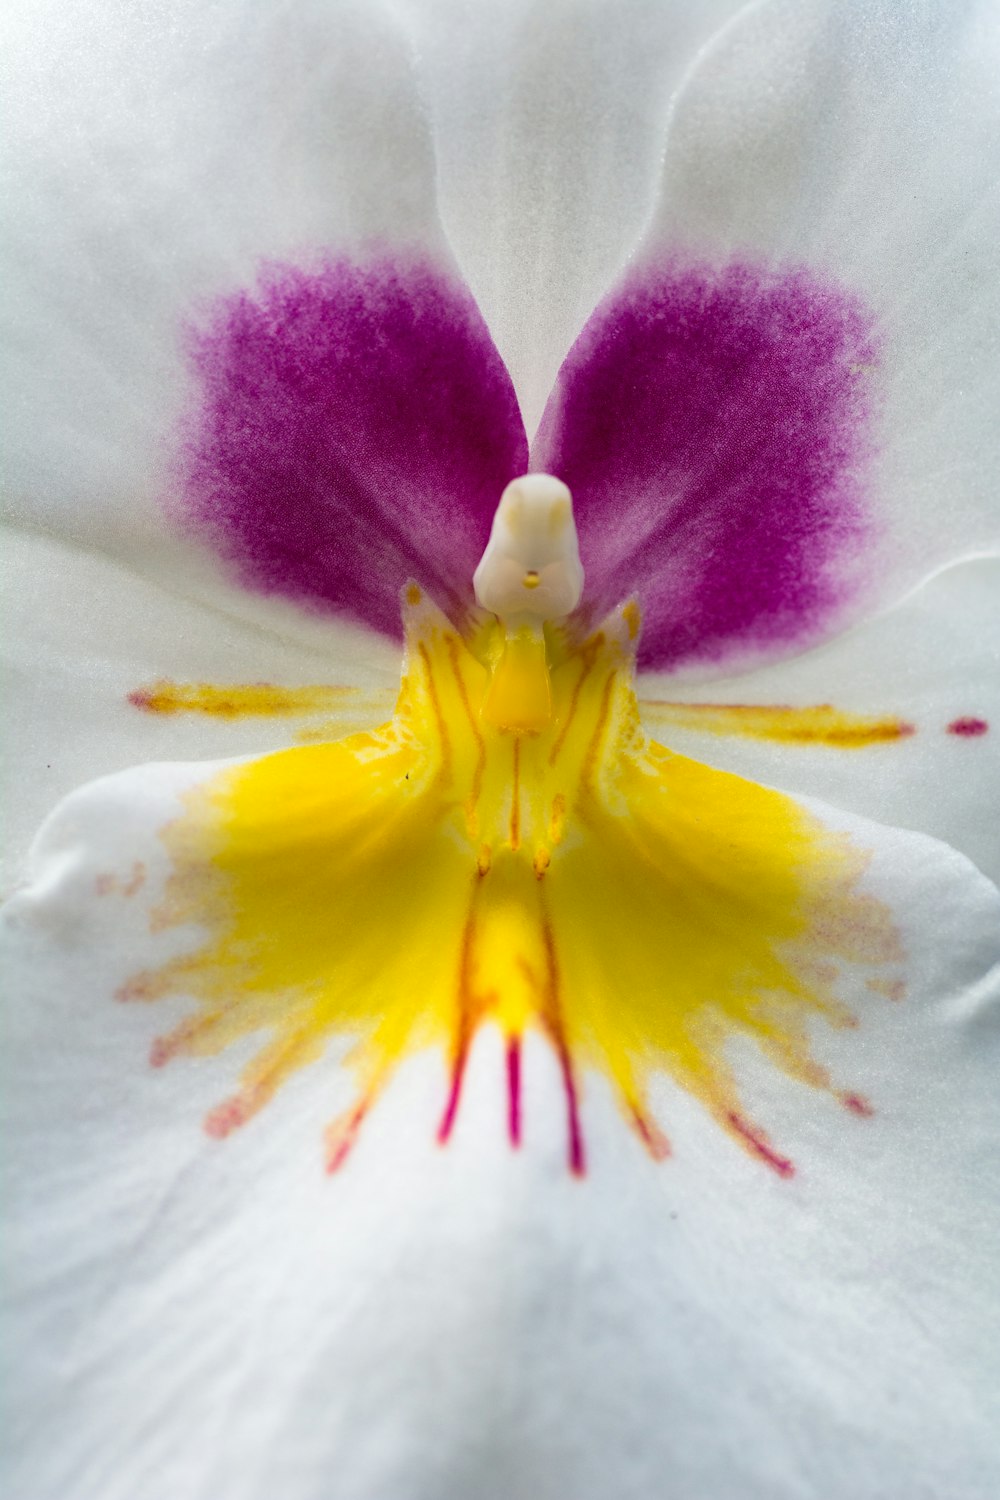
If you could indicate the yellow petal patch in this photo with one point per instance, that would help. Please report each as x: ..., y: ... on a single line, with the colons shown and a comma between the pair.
x: 404, y: 886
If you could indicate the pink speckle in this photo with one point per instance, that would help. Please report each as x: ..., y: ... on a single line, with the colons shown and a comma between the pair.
x: 227, y: 1117
x: 968, y: 728
x: 160, y: 1052
x: 142, y: 986
x: 858, y: 1105
x: 107, y: 884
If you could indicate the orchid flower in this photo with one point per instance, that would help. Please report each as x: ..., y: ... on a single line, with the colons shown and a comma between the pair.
x: 503, y: 531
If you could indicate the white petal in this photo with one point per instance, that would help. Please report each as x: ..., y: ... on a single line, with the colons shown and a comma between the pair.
x: 932, y: 662
x: 548, y: 128
x: 81, y: 633
x: 194, y: 1318
x: 156, y: 156
x: 860, y: 141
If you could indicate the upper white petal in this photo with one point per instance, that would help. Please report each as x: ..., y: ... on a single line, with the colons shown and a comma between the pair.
x: 862, y: 140
x: 931, y: 660
x: 548, y: 120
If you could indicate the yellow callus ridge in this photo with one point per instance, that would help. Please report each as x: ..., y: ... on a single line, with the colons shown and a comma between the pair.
x: 519, y: 695
x: 510, y: 849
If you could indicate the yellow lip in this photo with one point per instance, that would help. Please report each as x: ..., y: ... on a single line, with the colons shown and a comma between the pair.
x: 408, y: 885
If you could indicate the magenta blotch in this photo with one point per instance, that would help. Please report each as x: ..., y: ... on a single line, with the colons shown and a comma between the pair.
x: 716, y: 429
x: 352, y: 427
x: 968, y: 728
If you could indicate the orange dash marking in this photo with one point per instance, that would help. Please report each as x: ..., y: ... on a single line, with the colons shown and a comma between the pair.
x: 236, y: 700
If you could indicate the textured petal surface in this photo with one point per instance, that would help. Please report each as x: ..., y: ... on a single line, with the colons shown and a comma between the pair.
x: 858, y: 143
x: 932, y: 662
x: 156, y: 158
x: 221, y: 1316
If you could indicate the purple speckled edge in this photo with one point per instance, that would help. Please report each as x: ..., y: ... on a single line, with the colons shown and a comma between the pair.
x: 352, y: 427
x: 716, y: 429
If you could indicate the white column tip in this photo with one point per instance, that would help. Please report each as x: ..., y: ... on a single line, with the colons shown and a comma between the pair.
x: 531, y: 568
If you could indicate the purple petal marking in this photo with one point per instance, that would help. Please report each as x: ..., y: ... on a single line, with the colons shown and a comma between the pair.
x: 354, y: 427
x: 715, y: 427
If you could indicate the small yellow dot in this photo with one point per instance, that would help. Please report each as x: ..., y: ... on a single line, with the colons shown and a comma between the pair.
x: 531, y: 579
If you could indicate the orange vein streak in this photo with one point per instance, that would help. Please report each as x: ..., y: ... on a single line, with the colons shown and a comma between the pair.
x: 237, y: 699
x: 439, y: 719
x: 818, y: 724
x: 593, y: 749
x: 477, y: 775
x: 586, y: 663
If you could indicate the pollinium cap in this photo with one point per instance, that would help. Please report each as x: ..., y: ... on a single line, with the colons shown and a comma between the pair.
x: 531, y: 567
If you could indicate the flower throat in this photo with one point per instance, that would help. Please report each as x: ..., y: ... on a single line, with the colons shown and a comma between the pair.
x: 511, y: 850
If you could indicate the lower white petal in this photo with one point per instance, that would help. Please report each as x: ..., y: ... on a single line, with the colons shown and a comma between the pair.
x: 192, y: 1317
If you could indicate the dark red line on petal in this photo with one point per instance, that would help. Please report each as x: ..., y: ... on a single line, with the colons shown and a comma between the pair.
x: 514, y: 1090
x: 553, y: 1021
x: 760, y: 1146
x: 464, y: 1028
x: 577, y: 1163
x: 454, y: 1092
